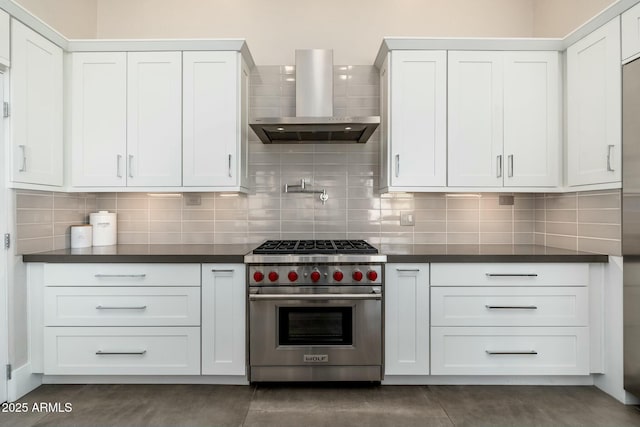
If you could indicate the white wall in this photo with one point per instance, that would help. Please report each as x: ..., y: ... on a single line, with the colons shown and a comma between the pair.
x: 557, y: 18
x: 76, y: 19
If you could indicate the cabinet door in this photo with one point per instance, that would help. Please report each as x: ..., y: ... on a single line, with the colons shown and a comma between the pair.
x: 418, y: 118
x: 385, y: 156
x: 211, y: 131
x: 594, y: 107
x: 154, y: 119
x: 630, y: 32
x: 223, y: 319
x: 99, y: 118
x: 36, y: 97
x: 532, y: 134
x: 407, y: 319
x: 475, y: 119
x: 4, y: 38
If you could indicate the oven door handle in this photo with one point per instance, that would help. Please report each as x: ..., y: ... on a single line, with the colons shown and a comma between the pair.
x: 314, y: 297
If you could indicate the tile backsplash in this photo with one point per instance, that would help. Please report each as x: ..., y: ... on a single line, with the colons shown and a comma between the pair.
x: 349, y: 173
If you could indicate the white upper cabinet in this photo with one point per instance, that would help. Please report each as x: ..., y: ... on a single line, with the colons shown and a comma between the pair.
x: 532, y: 135
x: 475, y: 119
x: 5, y: 49
x: 504, y: 119
x: 631, y: 32
x: 215, y: 131
x: 37, y: 99
x: 154, y: 119
x: 594, y: 107
x: 99, y: 119
x: 414, y: 106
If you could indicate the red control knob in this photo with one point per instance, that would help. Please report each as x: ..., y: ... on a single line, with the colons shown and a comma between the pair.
x: 372, y: 275
x: 315, y: 276
x: 357, y: 275
x: 273, y: 276
x: 258, y: 276
x: 293, y: 276
x: 338, y: 276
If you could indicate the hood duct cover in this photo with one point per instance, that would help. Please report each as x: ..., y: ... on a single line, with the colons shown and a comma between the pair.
x: 314, y: 121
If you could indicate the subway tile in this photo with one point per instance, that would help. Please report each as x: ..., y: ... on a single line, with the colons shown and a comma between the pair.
x: 463, y: 238
x: 463, y: 203
x: 133, y: 226
x: 164, y: 215
x: 238, y: 202
x: 67, y: 202
x: 564, y: 201
x: 166, y: 238
x: 463, y: 215
x: 69, y: 216
x: 366, y: 215
x: 599, y: 200
x: 132, y: 204
x: 462, y: 227
x: 162, y: 226
x: 210, y: 215
x: 364, y: 204
x: 34, y: 231
x: 32, y: 201
x: 271, y: 226
x: 433, y: 215
x: 601, y: 231
x: 198, y: 238
x: 363, y: 227
x: 429, y: 238
x: 540, y: 227
x: 398, y: 238
x: 493, y: 203
x: 604, y: 216
x: 271, y: 214
x: 206, y: 203
x: 524, y: 202
x: 496, y: 215
x: 106, y: 204
x: 563, y: 228
x: 523, y: 239
x: 496, y: 226
x: 524, y: 226
x: 496, y: 238
x: 600, y: 246
x: 296, y: 215
x: 430, y: 203
x: 430, y: 227
x: 33, y: 216
x: 241, y: 238
x: 61, y: 242
x: 563, y: 242
x: 62, y: 228
x: 330, y: 227
x: 133, y: 238
x: 221, y: 226
x: 562, y: 215
x: 161, y: 203
x: 125, y: 215
x: 28, y: 246
x: 521, y: 215
x: 539, y: 239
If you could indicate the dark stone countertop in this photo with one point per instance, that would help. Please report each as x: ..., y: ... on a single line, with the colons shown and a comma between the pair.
x: 234, y: 254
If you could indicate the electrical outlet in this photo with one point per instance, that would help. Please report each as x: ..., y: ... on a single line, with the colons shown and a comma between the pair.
x: 505, y: 200
x: 407, y: 218
x: 193, y: 200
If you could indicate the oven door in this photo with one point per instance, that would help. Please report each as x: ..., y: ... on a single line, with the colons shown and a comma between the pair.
x: 316, y: 327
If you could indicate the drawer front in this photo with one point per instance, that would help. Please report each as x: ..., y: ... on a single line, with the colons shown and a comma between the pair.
x: 122, y: 351
x: 101, y: 274
x: 509, y: 351
x: 119, y: 306
x: 509, y: 306
x: 507, y: 274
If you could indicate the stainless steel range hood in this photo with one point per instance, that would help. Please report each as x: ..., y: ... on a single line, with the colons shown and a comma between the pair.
x: 314, y: 121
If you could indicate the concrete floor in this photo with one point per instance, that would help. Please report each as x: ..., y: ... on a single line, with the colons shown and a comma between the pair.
x: 211, y: 405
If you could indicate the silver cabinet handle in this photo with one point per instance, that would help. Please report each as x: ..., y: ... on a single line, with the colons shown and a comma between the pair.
x: 215, y: 270
x: 23, y: 168
x: 310, y: 297
x: 397, y: 165
x: 511, y: 307
x: 111, y: 353
x: 499, y: 166
x: 118, y: 162
x: 138, y: 276
x: 104, y: 307
x: 512, y: 274
x: 130, y: 167
x: 407, y: 269
x: 229, y: 165
x: 493, y: 352
x: 609, y: 148
x: 510, y: 166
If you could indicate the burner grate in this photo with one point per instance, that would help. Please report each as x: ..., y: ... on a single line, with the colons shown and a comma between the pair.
x: 315, y: 247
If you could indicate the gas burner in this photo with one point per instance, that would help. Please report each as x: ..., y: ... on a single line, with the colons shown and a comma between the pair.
x: 304, y: 247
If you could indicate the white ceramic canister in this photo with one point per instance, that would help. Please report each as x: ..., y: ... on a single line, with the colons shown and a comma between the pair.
x: 81, y: 236
x: 105, y: 228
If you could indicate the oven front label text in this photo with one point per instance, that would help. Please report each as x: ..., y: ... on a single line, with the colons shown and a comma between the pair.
x: 315, y: 358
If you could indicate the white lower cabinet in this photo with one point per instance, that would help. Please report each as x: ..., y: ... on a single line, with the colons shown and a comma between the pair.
x: 509, y: 351
x: 223, y: 319
x: 510, y: 319
x: 406, y: 317
x: 121, y: 319
x: 121, y: 351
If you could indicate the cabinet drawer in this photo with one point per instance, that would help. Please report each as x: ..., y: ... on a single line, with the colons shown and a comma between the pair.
x: 101, y: 274
x: 122, y: 351
x: 509, y: 351
x: 507, y: 274
x: 120, y: 306
x: 509, y: 306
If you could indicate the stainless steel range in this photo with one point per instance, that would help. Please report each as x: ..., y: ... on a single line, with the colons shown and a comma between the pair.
x: 315, y: 311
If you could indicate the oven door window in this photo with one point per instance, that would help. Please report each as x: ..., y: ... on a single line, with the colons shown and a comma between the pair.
x: 311, y: 326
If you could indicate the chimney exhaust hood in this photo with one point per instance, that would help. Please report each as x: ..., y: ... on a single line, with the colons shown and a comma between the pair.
x: 314, y: 121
